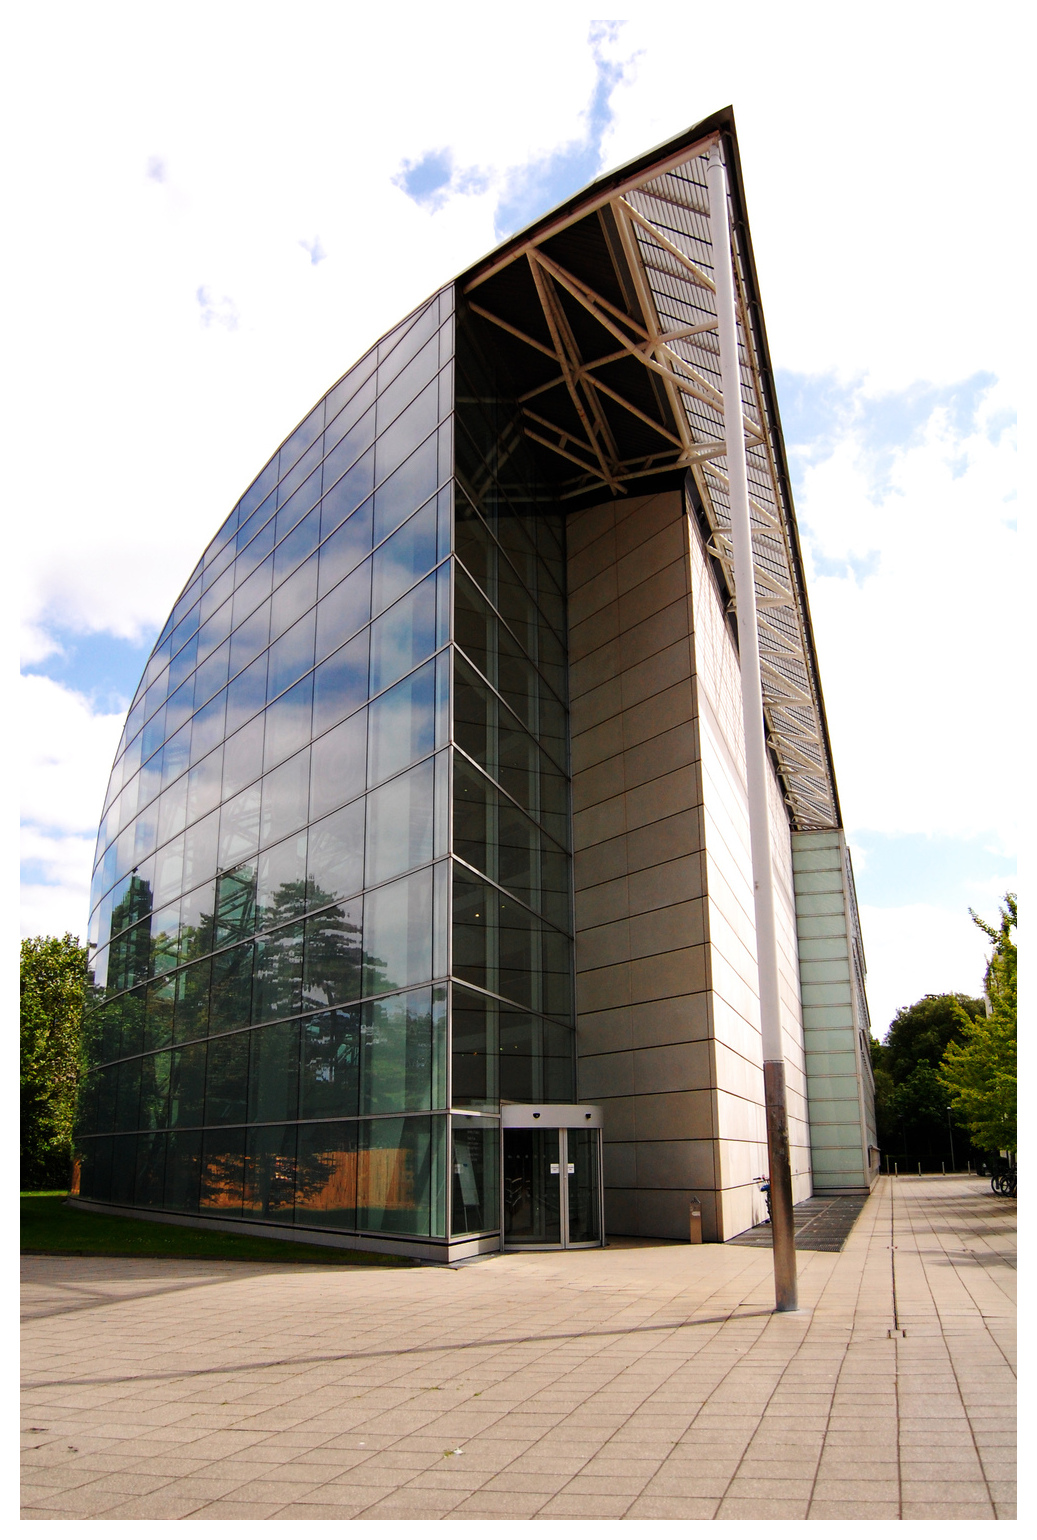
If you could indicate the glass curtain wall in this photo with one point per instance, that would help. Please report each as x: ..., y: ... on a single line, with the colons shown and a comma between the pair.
x: 512, y: 1009
x: 268, y: 1036
x: 332, y: 893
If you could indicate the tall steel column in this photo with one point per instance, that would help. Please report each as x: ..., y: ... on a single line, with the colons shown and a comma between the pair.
x: 782, y: 1231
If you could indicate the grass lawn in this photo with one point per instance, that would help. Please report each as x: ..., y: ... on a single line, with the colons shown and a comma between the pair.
x: 48, y: 1225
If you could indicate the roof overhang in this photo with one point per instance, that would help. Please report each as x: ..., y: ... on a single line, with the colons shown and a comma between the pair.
x: 603, y: 314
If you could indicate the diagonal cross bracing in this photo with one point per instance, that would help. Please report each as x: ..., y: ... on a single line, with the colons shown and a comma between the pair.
x: 661, y: 250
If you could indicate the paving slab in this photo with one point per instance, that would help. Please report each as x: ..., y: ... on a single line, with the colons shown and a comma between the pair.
x: 641, y: 1381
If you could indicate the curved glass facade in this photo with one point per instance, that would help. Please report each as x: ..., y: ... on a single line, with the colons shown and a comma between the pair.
x: 331, y: 899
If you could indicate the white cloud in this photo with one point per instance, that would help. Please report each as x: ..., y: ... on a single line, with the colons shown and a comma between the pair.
x: 199, y: 150
x: 917, y: 950
x: 916, y: 655
x: 66, y: 752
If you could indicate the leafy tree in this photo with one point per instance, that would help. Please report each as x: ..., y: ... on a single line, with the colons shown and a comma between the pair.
x: 910, y: 1103
x: 54, y: 986
x: 978, y: 1071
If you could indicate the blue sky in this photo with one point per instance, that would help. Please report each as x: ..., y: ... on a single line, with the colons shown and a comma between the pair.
x: 213, y: 298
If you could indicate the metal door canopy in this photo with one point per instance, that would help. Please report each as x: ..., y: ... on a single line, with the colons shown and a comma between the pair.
x: 549, y: 1115
x: 603, y: 316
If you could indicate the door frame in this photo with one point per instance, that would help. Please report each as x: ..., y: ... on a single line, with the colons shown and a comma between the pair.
x: 559, y: 1116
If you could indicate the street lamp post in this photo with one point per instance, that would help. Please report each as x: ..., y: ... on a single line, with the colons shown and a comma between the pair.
x: 950, y: 1132
x: 756, y: 769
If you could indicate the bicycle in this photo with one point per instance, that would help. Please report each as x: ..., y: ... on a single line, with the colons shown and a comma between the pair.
x: 1003, y: 1182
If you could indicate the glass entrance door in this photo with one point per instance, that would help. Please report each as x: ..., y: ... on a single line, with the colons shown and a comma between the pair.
x: 552, y: 1187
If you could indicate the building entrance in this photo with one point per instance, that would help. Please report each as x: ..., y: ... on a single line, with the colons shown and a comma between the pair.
x: 551, y: 1168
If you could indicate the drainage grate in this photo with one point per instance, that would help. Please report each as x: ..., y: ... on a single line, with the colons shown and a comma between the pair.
x: 822, y: 1224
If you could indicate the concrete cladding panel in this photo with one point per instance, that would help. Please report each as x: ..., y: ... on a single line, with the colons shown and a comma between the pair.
x: 668, y: 1017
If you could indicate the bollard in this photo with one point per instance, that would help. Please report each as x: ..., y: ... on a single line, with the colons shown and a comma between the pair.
x: 919, y: 1168
x: 895, y: 1170
x: 943, y: 1168
x: 695, y: 1222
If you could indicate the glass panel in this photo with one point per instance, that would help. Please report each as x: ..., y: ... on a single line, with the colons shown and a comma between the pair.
x: 399, y: 438
x: 475, y: 1050
x: 249, y: 640
x: 399, y: 382
x: 239, y: 826
x: 154, y: 1090
x: 256, y: 587
x: 350, y: 398
x: 187, y: 1085
x: 291, y: 656
x: 182, y: 666
x: 288, y: 722
x: 243, y: 757
x: 298, y: 489
x: 201, y: 850
x: 270, y: 1174
x: 223, y: 1172
x: 176, y: 756
x: 236, y: 905
x: 256, y: 530
x: 394, y: 1176
x: 169, y: 871
x: 285, y: 798
x: 231, y: 993
x: 209, y: 725
x: 350, y: 442
x: 203, y: 785
x: 335, y: 862
x: 210, y: 679
x: 476, y: 1176
x: 348, y: 492
x: 295, y: 548
x: 123, y: 1168
x: 178, y: 708
x: 127, y: 1099
x: 246, y: 695
x: 183, y: 1170
x: 333, y: 955
x: 191, y: 1012
x: 172, y: 811
x: 338, y: 765
x: 325, y: 1192
x: 406, y: 489
x: 532, y: 1190
x: 400, y: 346
x: 340, y: 684
x: 277, y: 987
x: 165, y: 939
x: 151, y: 1166
x: 584, y: 1193
x: 404, y: 635
x: 281, y: 887
x: 295, y: 597
x: 396, y: 1053
x: 399, y: 824
x: 273, y: 1073
x: 404, y: 557
x: 215, y: 630
x: 398, y: 934
x: 330, y: 1083
x: 342, y: 612
x: 158, y: 1018
x: 226, y: 1078
x: 402, y: 725
x: 345, y: 549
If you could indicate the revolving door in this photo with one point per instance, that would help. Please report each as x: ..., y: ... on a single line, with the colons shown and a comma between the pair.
x: 551, y: 1177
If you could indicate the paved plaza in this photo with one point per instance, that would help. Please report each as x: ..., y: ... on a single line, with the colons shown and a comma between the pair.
x: 644, y: 1381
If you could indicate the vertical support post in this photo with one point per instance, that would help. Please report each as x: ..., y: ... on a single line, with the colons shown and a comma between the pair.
x: 782, y: 1227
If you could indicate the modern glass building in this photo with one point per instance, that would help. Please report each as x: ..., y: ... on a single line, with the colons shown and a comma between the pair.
x: 437, y: 746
